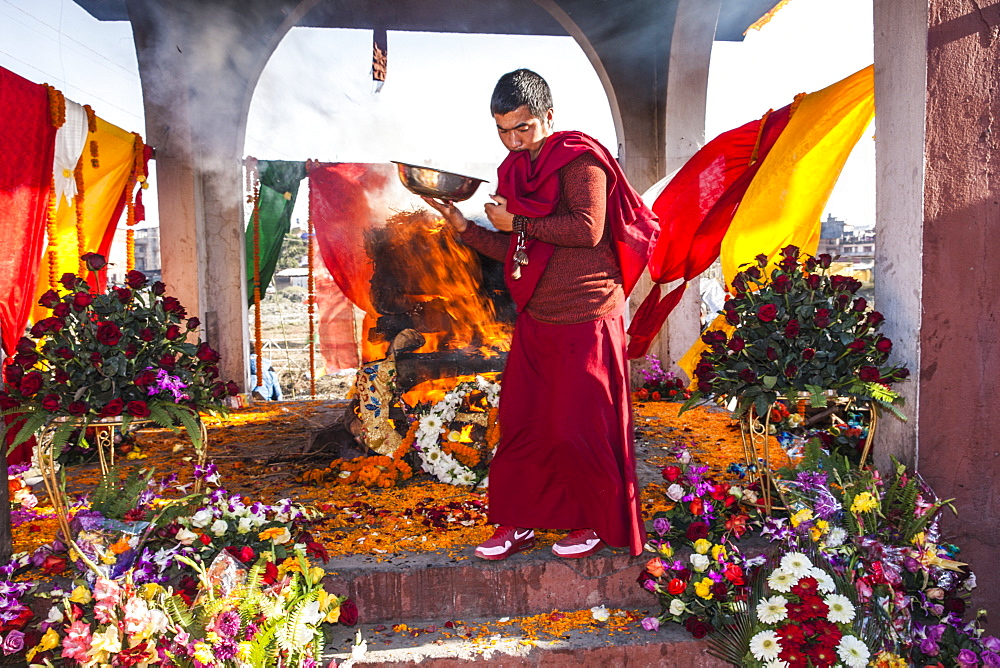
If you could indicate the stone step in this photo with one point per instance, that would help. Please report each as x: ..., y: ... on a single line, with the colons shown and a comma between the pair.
x: 432, y: 586
x: 670, y: 646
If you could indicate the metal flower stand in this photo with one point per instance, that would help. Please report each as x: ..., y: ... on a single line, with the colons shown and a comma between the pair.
x: 104, y: 441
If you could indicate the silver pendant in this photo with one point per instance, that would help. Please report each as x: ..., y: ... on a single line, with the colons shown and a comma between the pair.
x: 520, y: 258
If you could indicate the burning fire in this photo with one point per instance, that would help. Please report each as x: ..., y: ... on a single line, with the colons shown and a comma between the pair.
x: 439, y: 285
x: 433, y: 391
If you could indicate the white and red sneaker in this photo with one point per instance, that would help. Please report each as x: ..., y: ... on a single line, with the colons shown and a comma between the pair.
x: 504, y: 542
x: 577, y: 544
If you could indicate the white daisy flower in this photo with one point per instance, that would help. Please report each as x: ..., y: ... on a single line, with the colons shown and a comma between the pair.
x: 841, y: 609
x: 765, y: 646
x: 796, y: 563
x: 853, y: 652
x: 824, y: 580
x: 781, y: 580
x: 772, y: 610
x: 777, y: 663
x: 431, y: 423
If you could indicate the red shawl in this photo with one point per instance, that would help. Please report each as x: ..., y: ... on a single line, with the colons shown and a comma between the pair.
x: 532, y: 189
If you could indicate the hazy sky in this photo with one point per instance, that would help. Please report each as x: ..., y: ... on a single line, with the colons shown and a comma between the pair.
x: 315, y: 98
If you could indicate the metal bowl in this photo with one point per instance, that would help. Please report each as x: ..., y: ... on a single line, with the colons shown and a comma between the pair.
x: 435, y: 183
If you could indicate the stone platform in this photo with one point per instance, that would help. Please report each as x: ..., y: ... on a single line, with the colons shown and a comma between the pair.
x: 427, y: 591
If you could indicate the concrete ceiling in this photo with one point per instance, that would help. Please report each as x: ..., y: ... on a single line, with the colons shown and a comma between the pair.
x: 504, y: 17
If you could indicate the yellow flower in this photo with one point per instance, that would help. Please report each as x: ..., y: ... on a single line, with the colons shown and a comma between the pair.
x: 803, y: 515
x: 48, y: 641
x: 316, y: 574
x: 863, y: 503
x: 278, y: 535
x: 213, y: 637
x: 151, y: 589
x: 105, y: 643
x: 203, y: 653
x: 243, y: 651
x: 289, y: 565
x: 918, y: 538
x: 665, y: 550
x: 701, y: 546
x: 81, y: 595
x: 704, y: 589
x: 717, y: 551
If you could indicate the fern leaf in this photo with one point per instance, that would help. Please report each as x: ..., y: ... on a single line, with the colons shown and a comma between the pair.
x: 32, y: 424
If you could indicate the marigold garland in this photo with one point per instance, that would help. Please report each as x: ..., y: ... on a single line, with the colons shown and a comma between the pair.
x: 258, y: 336
x: 311, y: 291
x: 91, y: 118
x: 434, y: 451
x: 94, y: 161
x: 50, y: 230
x: 57, y: 106
x: 78, y: 204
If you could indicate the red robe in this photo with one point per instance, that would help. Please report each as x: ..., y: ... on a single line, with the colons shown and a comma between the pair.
x: 566, y: 455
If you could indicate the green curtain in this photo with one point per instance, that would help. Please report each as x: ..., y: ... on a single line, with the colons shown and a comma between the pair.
x: 279, y: 185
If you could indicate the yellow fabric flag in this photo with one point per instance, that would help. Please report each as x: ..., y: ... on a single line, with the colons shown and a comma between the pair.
x: 785, y: 200
x: 103, y: 187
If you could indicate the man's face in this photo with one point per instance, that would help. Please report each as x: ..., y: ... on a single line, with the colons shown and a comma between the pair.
x: 520, y: 131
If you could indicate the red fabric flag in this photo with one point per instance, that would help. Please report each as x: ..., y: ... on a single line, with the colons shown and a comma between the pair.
x: 695, y: 210
x: 343, y: 204
x: 27, y: 144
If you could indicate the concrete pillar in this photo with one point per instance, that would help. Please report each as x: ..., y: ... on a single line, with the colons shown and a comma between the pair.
x: 198, y: 64
x: 937, y: 220
x: 637, y: 66
x: 687, y: 98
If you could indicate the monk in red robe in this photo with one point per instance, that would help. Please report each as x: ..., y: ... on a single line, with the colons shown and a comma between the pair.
x: 574, y: 237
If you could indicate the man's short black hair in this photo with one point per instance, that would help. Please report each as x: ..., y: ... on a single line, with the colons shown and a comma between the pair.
x: 519, y: 88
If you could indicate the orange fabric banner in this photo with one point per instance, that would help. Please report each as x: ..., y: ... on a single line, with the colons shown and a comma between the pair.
x: 103, y: 198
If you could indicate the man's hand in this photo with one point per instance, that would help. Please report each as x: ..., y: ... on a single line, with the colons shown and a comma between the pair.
x: 450, y: 212
x: 498, y: 214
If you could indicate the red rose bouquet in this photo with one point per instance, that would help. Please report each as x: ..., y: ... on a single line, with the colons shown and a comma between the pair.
x: 123, y: 354
x: 796, y: 330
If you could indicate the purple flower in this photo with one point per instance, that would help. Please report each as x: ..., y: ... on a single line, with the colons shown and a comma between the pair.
x: 13, y: 642
x: 651, y: 623
x: 225, y: 650
x: 228, y: 623
x: 649, y: 584
x: 990, y: 659
x: 661, y: 525
x: 935, y: 632
x: 929, y: 647
x: 991, y: 643
x: 967, y: 659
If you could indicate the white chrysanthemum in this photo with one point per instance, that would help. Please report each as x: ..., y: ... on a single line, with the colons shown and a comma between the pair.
x: 765, y: 646
x: 824, y: 580
x: 777, y: 663
x: 853, y: 652
x: 796, y: 563
x: 841, y: 609
x: 772, y: 610
x: 431, y: 424
x: 781, y: 580
x: 836, y: 537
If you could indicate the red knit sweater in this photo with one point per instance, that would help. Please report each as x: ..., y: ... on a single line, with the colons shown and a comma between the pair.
x: 582, y: 281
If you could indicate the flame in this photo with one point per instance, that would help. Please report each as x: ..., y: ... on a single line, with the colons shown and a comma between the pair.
x: 441, y: 287
x: 433, y: 391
